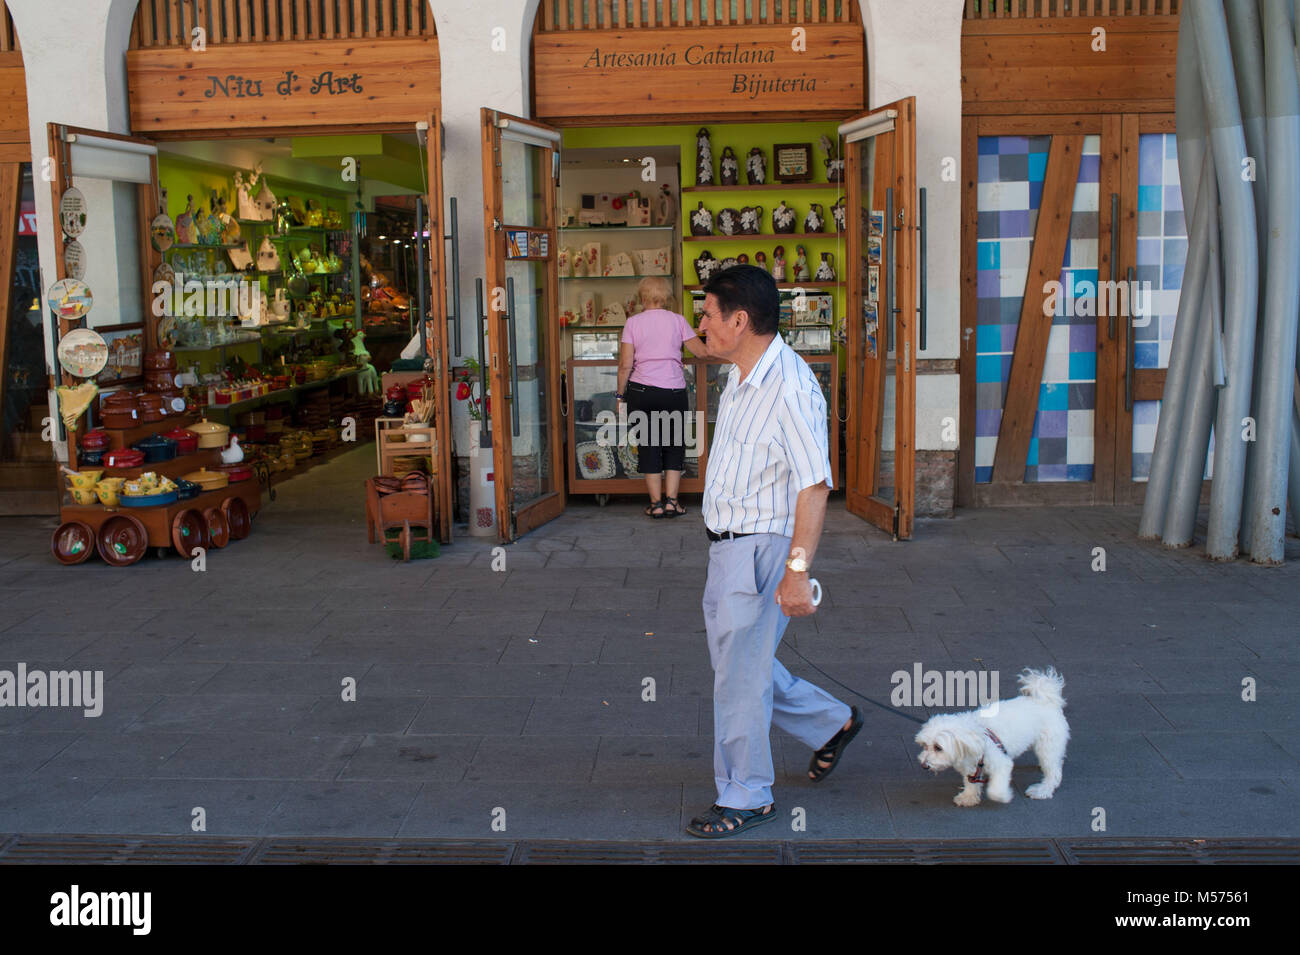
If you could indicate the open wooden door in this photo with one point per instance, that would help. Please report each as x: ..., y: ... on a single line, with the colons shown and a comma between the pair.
x: 435, y: 321
x: 880, y: 179
x: 521, y: 188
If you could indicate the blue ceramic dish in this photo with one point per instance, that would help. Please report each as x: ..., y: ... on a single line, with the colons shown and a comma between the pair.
x: 149, y: 500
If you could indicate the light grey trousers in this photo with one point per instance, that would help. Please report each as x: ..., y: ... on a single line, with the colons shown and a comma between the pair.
x: 751, y: 689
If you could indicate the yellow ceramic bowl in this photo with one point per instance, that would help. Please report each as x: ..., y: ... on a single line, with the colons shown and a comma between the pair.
x: 83, y: 495
x: 109, y: 490
x: 84, y: 480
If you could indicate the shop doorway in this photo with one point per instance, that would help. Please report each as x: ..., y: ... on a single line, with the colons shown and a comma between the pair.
x: 336, y: 239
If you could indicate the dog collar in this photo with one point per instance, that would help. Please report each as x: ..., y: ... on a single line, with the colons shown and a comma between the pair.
x: 978, y: 776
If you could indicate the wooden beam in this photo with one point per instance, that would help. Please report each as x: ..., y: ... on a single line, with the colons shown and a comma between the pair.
x: 1051, y: 233
x: 1128, y: 232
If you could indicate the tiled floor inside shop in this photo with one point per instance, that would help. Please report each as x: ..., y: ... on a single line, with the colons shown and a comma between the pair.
x: 487, y: 698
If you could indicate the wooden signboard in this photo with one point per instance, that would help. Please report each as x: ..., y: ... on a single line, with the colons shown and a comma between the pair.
x: 321, y: 83
x: 13, y: 102
x: 609, y: 76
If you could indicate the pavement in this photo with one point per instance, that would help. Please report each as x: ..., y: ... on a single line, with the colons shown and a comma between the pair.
x: 513, y: 703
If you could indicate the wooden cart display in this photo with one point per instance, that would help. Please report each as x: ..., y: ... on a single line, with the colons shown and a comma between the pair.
x: 223, y: 513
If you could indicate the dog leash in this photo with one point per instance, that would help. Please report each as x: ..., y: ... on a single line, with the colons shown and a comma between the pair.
x: 906, y: 716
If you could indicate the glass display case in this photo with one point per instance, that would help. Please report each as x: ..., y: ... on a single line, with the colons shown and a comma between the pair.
x: 602, y: 447
x: 602, y: 459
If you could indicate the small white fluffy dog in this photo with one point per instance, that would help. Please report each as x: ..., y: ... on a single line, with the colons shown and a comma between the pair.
x: 982, y: 744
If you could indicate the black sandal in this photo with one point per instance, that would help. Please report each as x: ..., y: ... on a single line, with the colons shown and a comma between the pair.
x: 740, y: 819
x: 677, y: 510
x: 834, y: 749
x: 657, y: 506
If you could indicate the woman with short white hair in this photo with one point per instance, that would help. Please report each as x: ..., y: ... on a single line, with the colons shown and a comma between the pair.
x: 650, y: 379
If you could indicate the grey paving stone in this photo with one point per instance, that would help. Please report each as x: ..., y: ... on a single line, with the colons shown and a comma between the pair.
x: 534, y: 598
x: 101, y: 755
x: 567, y: 716
x: 40, y: 804
x: 242, y: 755
x: 344, y: 808
x: 277, y: 679
x: 197, y: 713
x: 173, y: 679
x: 23, y: 753
x: 657, y: 647
x: 557, y: 810
x: 1201, y: 711
x: 166, y: 807
x: 472, y: 716
x: 544, y: 648
x: 549, y: 758
x: 79, y: 618
x: 55, y: 647
x: 413, y: 757
x: 1211, y: 754
x: 120, y: 711
x: 366, y: 714
x: 653, y: 759
x: 619, y: 681
x: 462, y: 680
x: 886, y: 650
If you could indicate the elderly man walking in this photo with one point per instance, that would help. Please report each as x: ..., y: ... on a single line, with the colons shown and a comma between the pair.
x: 764, y: 503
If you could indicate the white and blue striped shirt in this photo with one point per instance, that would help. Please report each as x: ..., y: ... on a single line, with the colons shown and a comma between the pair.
x: 769, y: 443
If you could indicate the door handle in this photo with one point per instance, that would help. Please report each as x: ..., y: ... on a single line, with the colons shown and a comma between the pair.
x: 922, y: 306
x: 514, y: 355
x: 454, y: 311
x: 480, y: 318
x: 886, y: 269
x: 1128, y: 370
x: 1114, y: 249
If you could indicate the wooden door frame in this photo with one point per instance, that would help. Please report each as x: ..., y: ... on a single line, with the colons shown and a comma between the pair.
x: 896, y: 519
x: 511, y: 526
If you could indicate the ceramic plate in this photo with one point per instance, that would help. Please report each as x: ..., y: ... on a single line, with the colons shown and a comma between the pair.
x: 162, y: 233
x: 74, y: 259
x: 595, y: 461
x: 72, y: 212
x: 69, y: 298
x: 83, y: 353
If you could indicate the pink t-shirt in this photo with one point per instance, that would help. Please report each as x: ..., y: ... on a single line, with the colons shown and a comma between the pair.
x: 656, y: 337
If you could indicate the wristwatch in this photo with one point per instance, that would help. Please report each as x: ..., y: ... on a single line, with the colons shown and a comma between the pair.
x: 798, y: 565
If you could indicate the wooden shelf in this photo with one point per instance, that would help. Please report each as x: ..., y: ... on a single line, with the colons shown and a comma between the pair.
x: 292, y: 389
x: 602, y: 278
x: 125, y: 437
x: 176, y: 467
x: 763, y: 235
x: 810, y: 285
x: 768, y: 187
x: 617, y: 228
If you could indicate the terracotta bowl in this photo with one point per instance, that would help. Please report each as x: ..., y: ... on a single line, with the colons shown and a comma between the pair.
x: 122, y: 540
x: 218, y: 530
x: 72, y: 542
x: 189, y: 532
x: 236, y: 512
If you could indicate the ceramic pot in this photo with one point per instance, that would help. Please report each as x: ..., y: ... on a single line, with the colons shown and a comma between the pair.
x: 187, y: 442
x: 751, y: 220
x: 156, y: 448
x: 211, y: 433
x: 701, y: 221
x: 728, y: 168
x: 124, y: 458
x: 208, y: 480
x: 161, y: 360
x: 729, y: 222
x: 95, y: 440
x: 756, y: 167
x: 783, y: 219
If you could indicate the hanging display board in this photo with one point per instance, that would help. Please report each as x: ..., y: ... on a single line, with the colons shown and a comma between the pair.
x: 811, y: 68
x: 321, y: 83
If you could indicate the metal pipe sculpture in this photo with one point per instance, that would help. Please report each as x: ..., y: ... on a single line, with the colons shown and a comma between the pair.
x: 1235, y: 359
x: 1264, y: 530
